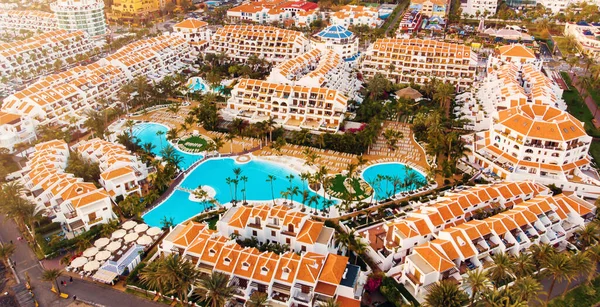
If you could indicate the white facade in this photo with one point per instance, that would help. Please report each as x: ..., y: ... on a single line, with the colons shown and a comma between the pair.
x: 356, y: 15
x: 87, y: 15
x: 195, y: 32
x: 14, y: 129
x: 587, y: 36
x: 338, y: 39
x: 13, y: 21
x: 472, y: 7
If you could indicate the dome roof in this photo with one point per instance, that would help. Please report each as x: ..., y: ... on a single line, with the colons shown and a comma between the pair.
x: 335, y: 32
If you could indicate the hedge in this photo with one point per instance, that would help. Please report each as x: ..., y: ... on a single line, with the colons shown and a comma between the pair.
x: 393, y: 291
x: 48, y: 228
x: 48, y: 250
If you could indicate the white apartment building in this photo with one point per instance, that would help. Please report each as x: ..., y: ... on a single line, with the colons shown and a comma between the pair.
x: 270, y: 11
x: 468, y: 246
x: 278, y: 224
x: 305, y: 18
x: 292, y: 107
x: 195, y: 32
x: 86, y: 15
x: 356, y: 15
x: 391, y: 242
x: 537, y: 142
x: 478, y: 7
x: 276, y: 45
x: 28, y: 58
x: 290, y: 279
x: 15, y: 129
x: 418, y: 61
x: 77, y: 205
x: 13, y: 21
x: 338, y: 39
x: 318, y: 68
x: 556, y: 6
x: 587, y: 36
x: 122, y: 172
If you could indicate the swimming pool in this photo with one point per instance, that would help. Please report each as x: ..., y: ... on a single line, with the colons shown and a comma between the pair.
x: 382, y: 176
x: 214, y: 173
x: 197, y: 84
x: 146, y: 133
x: 213, y: 3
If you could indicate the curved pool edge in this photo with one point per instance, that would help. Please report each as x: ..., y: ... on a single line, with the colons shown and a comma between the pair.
x: 387, y: 162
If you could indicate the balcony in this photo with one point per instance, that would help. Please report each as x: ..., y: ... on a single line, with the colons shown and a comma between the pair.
x: 303, y: 297
x: 413, y: 279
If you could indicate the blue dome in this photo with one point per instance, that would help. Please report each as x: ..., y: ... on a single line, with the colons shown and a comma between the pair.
x: 335, y: 32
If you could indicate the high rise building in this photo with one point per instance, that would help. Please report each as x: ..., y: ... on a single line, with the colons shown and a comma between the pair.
x: 87, y: 15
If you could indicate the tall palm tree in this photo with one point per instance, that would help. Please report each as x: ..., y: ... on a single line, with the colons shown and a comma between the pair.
x: 476, y: 281
x: 160, y: 133
x: 6, y: 250
x: 151, y: 276
x: 540, y: 254
x: 446, y: 294
x: 523, y: 265
x: 358, y: 247
x: 582, y: 265
x: 215, y: 289
x: 270, y: 179
x: 344, y: 239
x: 51, y: 276
x: 594, y: 255
x: 588, y: 234
x: 258, y: 299
x: 560, y: 268
x: 501, y: 270
x: 527, y: 288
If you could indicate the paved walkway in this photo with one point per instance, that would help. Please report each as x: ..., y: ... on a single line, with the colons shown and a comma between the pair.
x: 87, y: 291
x: 591, y: 104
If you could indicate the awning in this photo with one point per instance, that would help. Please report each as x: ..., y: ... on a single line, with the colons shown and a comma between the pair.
x: 105, y: 276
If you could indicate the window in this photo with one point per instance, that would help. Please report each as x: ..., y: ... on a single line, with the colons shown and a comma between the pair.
x: 303, y: 248
x: 254, y: 233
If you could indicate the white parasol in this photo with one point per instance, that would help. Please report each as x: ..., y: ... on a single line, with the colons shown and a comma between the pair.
x: 113, y: 246
x: 144, y: 240
x: 140, y: 228
x: 91, y: 266
x: 118, y: 234
x: 130, y: 237
x: 103, y: 255
x: 128, y: 225
x: 102, y: 242
x: 78, y: 262
x: 90, y: 252
x: 153, y: 231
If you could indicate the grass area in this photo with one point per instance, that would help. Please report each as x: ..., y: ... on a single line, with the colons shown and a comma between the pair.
x: 594, y: 92
x: 577, y: 108
x: 581, y: 296
x: 561, y: 42
x: 197, y: 143
x: 337, y: 185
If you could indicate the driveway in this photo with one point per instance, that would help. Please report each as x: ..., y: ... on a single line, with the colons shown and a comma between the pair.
x: 97, y: 294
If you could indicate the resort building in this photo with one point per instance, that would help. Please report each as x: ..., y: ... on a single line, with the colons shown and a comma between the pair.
x: 76, y: 204
x: 481, y: 8
x: 557, y: 6
x: 13, y: 21
x: 86, y: 15
x: 469, y: 246
x: 195, y: 32
x: 418, y: 61
x: 122, y: 172
x: 303, y: 19
x: 356, y: 15
x: 278, y: 224
x: 288, y: 279
x: 510, y: 36
x: 28, y: 58
x: 338, y: 39
x: 14, y: 129
x: 537, y: 142
x: 270, y: 11
x: 391, y: 242
x: 587, y: 36
x: 318, y: 68
x: 291, y: 106
x: 430, y: 8
x: 507, y: 85
x: 515, y: 53
x: 410, y: 23
x: 273, y: 44
x: 132, y: 11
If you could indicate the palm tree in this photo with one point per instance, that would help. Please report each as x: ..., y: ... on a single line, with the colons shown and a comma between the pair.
x: 500, y: 272
x: 582, y: 265
x: 540, y: 254
x: 51, y: 276
x: 229, y: 138
x: 588, y: 234
x: 270, y: 179
x: 215, y: 289
x: 358, y: 247
x: 528, y: 288
x: 476, y: 281
x: 446, y: 294
x: 344, y: 239
x: 160, y: 133
x: 6, y: 250
x: 151, y: 277
x: 560, y: 268
x: 594, y: 255
x: 523, y: 265
x: 330, y: 303
x: 258, y: 299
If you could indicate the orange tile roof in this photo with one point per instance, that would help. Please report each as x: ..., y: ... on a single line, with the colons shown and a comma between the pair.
x: 334, y: 269
x: 310, y: 232
x: 437, y: 260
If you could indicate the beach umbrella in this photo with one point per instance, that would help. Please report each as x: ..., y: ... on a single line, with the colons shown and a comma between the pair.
x: 144, y: 240
x: 90, y: 252
x: 130, y: 237
x: 128, y: 225
x: 103, y: 255
x: 91, y: 266
x: 102, y: 242
x: 113, y: 246
x: 118, y: 234
x: 140, y: 228
x: 78, y: 262
x: 153, y: 231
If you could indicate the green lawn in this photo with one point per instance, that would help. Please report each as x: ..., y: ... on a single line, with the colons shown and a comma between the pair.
x: 577, y: 108
x: 337, y: 185
x: 200, y: 142
x: 561, y: 42
x: 580, y: 296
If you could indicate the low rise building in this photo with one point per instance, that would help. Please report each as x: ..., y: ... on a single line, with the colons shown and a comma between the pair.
x: 30, y: 57
x: 273, y: 44
x: 515, y: 53
x: 303, y: 19
x: 410, y: 23
x: 195, y: 32
x: 482, y: 8
x: 15, y: 129
x: 86, y: 15
x: 291, y: 106
x: 122, y: 173
x: 134, y: 11
x: 587, y: 36
x: 356, y: 15
x: 418, y: 61
x: 307, y: 278
x: 270, y: 11
x: 431, y: 8
x: 62, y: 197
x: 13, y: 21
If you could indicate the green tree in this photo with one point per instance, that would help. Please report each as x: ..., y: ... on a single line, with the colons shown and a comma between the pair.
x: 476, y: 281
x: 446, y: 294
x: 560, y: 268
x: 215, y: 289
x: 51, y: 275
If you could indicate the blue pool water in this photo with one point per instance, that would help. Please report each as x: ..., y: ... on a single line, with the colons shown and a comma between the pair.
x: 384, y: 189
x: 196, y: 84
x: 213, y: 173
x: 213, y: 3
x: 146, y: 132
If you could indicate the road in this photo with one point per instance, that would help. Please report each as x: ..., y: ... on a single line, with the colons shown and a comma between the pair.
x: 87, y: 291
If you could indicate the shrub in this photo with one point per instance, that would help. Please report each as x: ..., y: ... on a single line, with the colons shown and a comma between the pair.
x: 133, y: 278
x: 48, y: 228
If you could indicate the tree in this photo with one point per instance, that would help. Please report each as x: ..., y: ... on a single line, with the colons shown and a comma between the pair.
x: 6, y: 251
x: 51, y: 276
x: 258, y: 299
x: 477, y: 281
x: 214, y: 289
x: 500, y: 272
x: 588, y: 234
x: 540, y: 254
x: 523, y: 265
x: 444, y: 93
x: 582, y: 266
x: 560, y: 268
x: 378, y: 86
x: 270, y: 179
x: 528, y: 288
x: 330, y: 303
x: 446, y: 294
